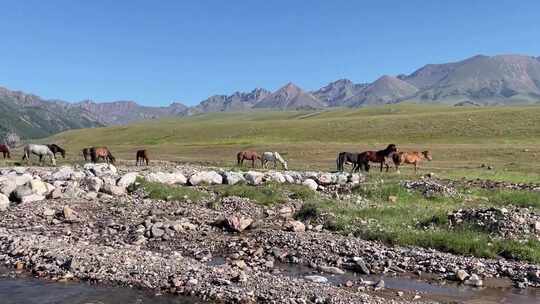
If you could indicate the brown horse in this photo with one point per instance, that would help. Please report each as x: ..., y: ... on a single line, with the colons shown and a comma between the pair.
x: 5, y: 151
x: 86, y: 154
x: 413, y: 158
x: 380, y: 156
x: 142, y: 158
x: 101, y: 152
x: 248, y: 155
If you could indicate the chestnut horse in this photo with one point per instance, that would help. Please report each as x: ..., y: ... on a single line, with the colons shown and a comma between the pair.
x: 101, y: 152
x: 142, y: 158
x: 5, y: 151
x: 248, y: 155
x: 413, y: 158
x: 380, y: 156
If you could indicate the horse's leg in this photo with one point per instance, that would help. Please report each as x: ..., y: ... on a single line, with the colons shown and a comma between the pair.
x: 253, y: 163
x: 381, y: 166
x: 415, y: 167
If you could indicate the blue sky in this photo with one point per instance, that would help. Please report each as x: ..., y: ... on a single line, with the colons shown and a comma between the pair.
x: 156, y: 52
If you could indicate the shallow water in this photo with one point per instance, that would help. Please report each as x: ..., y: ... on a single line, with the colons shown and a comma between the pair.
x: 24, y: 290
x: 443, y: 292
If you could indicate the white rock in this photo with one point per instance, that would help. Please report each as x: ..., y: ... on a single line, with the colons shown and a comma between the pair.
x: 113, y: 190
x: 206, y: 177
x: 92, y: 183
x: 289, y: 179
x: 275, y: 177
x: 38, y: 187
x: 295, y: 226
x: 316, y: 279
x: 356, y: 178
x: 330, y: 269
x: 254, y: 177
x: 232, y: 178
x: 32, y: 198
x: 311, y: 184
x: 4, y: 202
x: 7, y: 185
x: 327, y: 179
x: 77, y: 175
x: 101, y: 169
x: 127, y: 180
x: 167, y: 178
x: 63, y: 173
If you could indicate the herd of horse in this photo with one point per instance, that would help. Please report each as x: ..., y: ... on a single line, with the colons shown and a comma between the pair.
x: 359, y: 161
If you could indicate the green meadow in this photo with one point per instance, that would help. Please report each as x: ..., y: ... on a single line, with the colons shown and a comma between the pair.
x: 461, y: 138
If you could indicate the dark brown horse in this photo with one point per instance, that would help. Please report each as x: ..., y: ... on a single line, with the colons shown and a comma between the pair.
x: 97, y: 153
x: 381, y: 156
x: 352, y: 158
x: 248, y: 155
x: 57, y: 149
x: 86, y: 154
x: 5, y: 151
x: 142, y: 158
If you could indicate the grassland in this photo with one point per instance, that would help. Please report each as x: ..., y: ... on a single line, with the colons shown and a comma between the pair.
x: 508, y: 138
x: 461, y: 139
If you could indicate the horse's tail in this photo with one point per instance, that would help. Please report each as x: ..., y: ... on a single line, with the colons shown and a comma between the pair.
x: 396, y: 158
x: 340, y: 159
x: 239, y: 157
x: 25, y: 154
x: 111, y: 157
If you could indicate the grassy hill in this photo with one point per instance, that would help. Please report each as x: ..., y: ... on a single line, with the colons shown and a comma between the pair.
x: 461, y: 138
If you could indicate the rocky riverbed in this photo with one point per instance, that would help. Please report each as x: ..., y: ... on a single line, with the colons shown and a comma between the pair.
x: 90, y: 223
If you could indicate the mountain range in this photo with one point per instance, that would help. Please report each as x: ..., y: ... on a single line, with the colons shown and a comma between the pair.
x: 479, y: 80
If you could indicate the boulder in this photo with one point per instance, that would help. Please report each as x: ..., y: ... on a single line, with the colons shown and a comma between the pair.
x: 38, y: 187
x: 237, y: 223
x: 341, y: 178
x: 73, y: 190
x: 7, y: 186
x: 327, y: 179
x: 474, y: 280
x: 289, y: 179
x: 254, y: 178
x: 77, y: 175
x: 206, y: 177
x: 113, y: 190
x: 276, y: 177
x: 4, y: 202
x: 127, y: 179
x: 316, y: 279
x: 32, y: 198
x: 461, y: 275
x: 92, y: 183
x: 295, y: 226
x: 231, y: 177
x: 20, y: 192
x: 62, y: 173
x: 311, y: 184
x: 69, y: 214
x: 356, y: 178
x: 101, y: 169
x: 167, y: 178
x: 330, y: 269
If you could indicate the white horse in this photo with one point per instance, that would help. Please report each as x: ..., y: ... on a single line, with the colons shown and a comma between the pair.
x: 273, y: 157
x: 39, y: 150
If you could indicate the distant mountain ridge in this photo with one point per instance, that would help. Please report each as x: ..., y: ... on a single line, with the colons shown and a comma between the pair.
x: 479, y: 80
